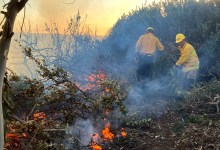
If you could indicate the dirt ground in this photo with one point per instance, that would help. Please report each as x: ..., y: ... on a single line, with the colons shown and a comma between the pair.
x: 170, y: 132
x: 175, y: 129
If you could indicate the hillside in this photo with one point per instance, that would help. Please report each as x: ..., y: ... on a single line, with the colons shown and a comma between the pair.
x: 87, y: 95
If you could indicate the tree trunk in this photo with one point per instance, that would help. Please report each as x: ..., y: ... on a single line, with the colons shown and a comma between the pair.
x: 13, y: 7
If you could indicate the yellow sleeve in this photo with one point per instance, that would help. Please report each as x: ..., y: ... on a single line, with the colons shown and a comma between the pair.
x: 185, y: 55
x: 159, y: 45
x: 139, y: 44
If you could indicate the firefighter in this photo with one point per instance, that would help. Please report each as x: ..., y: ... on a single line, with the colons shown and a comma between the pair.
x: 146, y: 48
x: 188, y: 61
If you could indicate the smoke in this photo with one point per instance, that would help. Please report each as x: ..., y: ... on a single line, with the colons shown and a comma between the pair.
x: 83, y: 130
x: 116, y: 56
x: 150, y: 97
x: 48, y: 8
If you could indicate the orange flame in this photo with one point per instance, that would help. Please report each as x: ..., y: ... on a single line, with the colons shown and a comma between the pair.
x: 95, y: 146
x: 15, y: 136
x: 94, y: 80
x: 107, y: 90
x: 24, y: 135
x: 96, y: 138
x: 11, y: 136
x: 39, y: 116
x: 123, y: 133
x: 106, y: 133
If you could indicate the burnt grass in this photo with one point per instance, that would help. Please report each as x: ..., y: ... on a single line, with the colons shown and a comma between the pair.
x: 176, y: 128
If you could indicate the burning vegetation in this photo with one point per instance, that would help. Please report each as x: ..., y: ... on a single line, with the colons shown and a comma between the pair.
x: 117, y: 112
x: 61, y: 104
x: 106, y: 138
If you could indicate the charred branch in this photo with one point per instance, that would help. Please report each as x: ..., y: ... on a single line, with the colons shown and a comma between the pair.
x: 27, y: 118
x: 14, y: 117
x: 3, y: 12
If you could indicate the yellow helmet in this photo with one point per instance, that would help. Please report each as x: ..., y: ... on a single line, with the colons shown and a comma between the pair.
x: 150, y: 29
x: 180, y: 37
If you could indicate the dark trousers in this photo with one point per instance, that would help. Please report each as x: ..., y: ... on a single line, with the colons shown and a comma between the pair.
x: 188, y: 79
x: 145, y: 67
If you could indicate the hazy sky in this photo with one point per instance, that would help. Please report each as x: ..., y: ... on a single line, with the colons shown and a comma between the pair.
x: 101, y: 14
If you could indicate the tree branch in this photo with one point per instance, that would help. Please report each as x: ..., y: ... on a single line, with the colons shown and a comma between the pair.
x: 21, y: 4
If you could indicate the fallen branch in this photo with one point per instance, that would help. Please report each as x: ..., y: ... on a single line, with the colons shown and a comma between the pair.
x: 16, y: 118
x: 215, y: 102
x: 53, y: 130
x: 30, y: 113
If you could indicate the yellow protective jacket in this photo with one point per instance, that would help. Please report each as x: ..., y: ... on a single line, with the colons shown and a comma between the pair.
x: 188, y: 58
x: 148, y: 44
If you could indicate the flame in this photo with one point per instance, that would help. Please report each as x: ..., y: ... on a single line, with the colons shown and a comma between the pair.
x: 24, y: 135
x: 39, y: 116
x: 94, y: 81
x: 11, y: 136
x: 96, y: 138
x: 123, y: 133
x: 107, y: 89
x: 107, y: 135
x: 95, y: 146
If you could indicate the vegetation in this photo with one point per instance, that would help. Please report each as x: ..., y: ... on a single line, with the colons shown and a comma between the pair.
x: 168, y: 19
x: 53, y: 103
x: 65, y: 50
x: 86, y: 84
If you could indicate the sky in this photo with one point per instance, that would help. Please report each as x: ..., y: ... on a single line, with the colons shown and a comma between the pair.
x: 100, y: 15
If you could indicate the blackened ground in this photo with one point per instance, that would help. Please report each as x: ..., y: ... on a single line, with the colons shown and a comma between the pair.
x: 182, y: 128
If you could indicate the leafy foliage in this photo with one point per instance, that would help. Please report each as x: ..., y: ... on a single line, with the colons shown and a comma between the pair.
x: 49, y: 104
x: 53, y: 102
x: 204, y: 92
x: 197, y: 20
